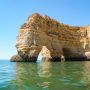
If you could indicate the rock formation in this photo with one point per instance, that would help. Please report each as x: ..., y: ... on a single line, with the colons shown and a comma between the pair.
x: 41, y: 35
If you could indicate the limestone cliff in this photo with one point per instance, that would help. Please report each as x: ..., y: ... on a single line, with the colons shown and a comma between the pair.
x: 41, y: 35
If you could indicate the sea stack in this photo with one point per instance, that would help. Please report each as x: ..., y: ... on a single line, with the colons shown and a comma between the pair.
x: 41, y: 35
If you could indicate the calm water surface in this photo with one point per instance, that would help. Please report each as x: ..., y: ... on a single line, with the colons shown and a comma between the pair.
x: 44, y: 75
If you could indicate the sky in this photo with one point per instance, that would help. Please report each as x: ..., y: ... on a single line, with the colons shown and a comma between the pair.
x: 13, y: 13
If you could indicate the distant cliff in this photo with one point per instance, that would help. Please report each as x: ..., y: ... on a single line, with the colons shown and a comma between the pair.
x: 41, y: 35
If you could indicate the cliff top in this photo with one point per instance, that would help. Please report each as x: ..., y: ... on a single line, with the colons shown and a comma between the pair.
x: 37, y: 17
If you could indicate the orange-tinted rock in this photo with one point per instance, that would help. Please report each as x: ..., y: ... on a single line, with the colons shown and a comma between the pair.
x: 41, y: 31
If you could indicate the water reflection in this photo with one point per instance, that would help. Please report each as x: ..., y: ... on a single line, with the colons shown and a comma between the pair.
x: 25, y: 76
x: 32, y: 76
x: 62, y: 68
x: 44, y: 69
x: 52, y: 76
x: 86, y: 75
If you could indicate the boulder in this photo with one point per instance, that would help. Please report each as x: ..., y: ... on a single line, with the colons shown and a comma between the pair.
x: 16, y: 58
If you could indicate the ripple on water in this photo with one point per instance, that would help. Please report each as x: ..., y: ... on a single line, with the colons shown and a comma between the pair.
x: 45, y: 76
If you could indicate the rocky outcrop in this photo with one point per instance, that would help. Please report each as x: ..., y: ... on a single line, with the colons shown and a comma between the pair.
x: 41, y: 35
x: 16, y: 58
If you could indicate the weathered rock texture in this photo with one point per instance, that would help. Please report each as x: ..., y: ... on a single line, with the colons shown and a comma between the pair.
x: 46, y: 36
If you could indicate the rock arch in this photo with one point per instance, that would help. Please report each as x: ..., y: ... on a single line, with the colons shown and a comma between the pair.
x: 42, y: 32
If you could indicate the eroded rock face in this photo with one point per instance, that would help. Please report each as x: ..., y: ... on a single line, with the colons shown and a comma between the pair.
x: 44, y: 54
x: 59, y: 39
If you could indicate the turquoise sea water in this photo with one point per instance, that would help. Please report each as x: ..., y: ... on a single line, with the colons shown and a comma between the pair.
x: 44, y: 75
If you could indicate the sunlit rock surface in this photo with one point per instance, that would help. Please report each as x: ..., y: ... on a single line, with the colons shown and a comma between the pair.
x: 41, y: 35
x: 44, y: 54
